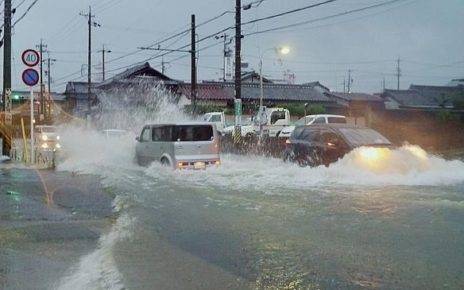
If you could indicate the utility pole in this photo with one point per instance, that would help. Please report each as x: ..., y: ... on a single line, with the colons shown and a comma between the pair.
x: 103, y: 51
x: 398, y: 73
x: 194, y: 67
x: 49, y: 78
x: 163, y: 66
x: 89, y: 56
x: 350, y: 81
x: 41, y: 47
x: 6, y: 52
x: 238, y: 68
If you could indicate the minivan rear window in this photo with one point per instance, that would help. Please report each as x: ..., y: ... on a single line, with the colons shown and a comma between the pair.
x: 188, y: 133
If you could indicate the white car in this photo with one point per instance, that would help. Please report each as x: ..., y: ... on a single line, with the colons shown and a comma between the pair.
x: 312, y: 119
x: 47, y: 138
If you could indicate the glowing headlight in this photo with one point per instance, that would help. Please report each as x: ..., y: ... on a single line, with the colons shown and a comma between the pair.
x: 44, y: 146
x: 58, y: 146
x: 372, y: 155
x: 418, y: 152
x: 369, y: 153
x: 44, y: 137
x: 57, y: 137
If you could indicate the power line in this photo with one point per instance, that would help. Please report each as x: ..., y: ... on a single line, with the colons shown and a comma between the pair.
x: 25, y: 12
x: 324, y: 18
x: 288, y: 12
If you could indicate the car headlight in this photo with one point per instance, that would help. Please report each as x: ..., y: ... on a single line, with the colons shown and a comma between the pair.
x: 58, y: 146
x: 44, y: 137
x: 57, y: 137
x: 44, y: 146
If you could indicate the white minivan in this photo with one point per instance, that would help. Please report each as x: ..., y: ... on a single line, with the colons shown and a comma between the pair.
x: 180, y: 146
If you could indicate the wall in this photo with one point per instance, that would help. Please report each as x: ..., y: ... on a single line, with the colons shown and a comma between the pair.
x: 425, y: 129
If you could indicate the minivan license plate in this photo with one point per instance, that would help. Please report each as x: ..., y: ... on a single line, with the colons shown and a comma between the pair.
x: 199, y: 165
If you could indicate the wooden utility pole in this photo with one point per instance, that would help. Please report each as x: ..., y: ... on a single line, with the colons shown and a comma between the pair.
x: 6, y: 52
x: 90, y: 23
x: 104, y: 51
x: 238, y: 69
x: 41, y: 47
x: 398, y: 73
x: 194, y: 66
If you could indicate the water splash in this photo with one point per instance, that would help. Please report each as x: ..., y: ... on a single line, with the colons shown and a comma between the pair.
x: 406, y: 165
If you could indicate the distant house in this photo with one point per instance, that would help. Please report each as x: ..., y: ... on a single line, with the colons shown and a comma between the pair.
x: 223, y: 93
x: 77, y: 97
x: 136, y: 75
x: 422, y: 97
x: 456, y: 83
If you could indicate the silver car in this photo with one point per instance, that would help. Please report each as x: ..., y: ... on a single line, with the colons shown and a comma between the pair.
x: 181, y: 146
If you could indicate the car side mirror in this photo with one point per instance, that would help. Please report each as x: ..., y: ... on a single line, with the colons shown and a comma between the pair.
x: 137, y: 139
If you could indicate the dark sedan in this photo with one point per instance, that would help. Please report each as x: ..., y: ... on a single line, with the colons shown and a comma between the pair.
x: 315, y: 145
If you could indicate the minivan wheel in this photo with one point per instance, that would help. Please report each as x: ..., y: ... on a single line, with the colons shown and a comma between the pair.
x: 165, y: 162
x: 311, y: 159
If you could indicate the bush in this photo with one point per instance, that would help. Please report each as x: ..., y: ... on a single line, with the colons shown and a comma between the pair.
x: 298, y: 110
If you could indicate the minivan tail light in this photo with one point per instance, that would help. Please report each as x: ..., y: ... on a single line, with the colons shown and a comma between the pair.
x: 288, y: 141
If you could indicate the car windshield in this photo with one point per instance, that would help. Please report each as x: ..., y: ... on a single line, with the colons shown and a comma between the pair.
x: 48, y: 129
x: 364, y: 136
x: 190, y: 133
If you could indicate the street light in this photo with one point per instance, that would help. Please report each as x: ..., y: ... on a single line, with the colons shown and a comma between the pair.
x: 282, y: 50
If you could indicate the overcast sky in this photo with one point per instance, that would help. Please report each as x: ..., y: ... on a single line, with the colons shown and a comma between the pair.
x: 426, y: 34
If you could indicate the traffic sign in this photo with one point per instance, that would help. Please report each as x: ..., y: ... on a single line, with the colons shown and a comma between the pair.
x: 30, y: 77
x: 30, y: 57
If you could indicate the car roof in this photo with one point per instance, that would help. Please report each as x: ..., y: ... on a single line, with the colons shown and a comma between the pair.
x: 333, y: 126
x: 325, y: 115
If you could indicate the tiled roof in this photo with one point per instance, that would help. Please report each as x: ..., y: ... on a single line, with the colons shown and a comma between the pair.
x: 414, y: 98
x: 136, y: 71
x: 272, y: 92
x: 356, y: 97
x: 77, y: 87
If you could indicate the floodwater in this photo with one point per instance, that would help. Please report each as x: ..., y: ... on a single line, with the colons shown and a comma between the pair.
x: 259, y: 223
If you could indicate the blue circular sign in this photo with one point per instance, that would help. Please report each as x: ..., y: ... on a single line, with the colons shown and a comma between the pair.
x: 30, y: 77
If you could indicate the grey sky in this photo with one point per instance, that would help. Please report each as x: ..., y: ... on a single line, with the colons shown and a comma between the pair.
x: 426, y: 34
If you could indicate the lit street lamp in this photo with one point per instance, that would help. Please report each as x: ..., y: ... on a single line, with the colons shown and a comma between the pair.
x: 283, y: 50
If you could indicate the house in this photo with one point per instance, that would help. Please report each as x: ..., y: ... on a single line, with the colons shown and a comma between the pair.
x: 223, y: 93
x: 419, y: 97
x: 77, y: 97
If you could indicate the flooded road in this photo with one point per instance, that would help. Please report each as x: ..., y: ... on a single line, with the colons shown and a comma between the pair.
x: 259, y: 223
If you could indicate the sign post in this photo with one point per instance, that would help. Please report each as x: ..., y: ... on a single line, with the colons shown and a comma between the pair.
x: 31, y: 77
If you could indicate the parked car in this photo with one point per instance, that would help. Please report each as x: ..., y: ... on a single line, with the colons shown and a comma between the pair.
x: 217, y: 118
x: 272, y: 120
x: 114, y: 133
x: 312, y: 119
x: 180, y: 146
x: 46, y: 138
x: 314, y: 145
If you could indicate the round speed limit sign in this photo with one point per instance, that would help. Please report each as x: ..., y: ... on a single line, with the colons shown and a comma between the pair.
x: 30, y: 57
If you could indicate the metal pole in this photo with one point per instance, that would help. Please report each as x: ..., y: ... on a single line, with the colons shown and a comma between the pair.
x: 103, y: 63
x: 238, y: 68
x: 261, y: 109
x: 225, y: 56
x: 6, y: 53
x: 194, y: 67
x: 89, y: 72
x: 42, y: 103
x: 32, y: 128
